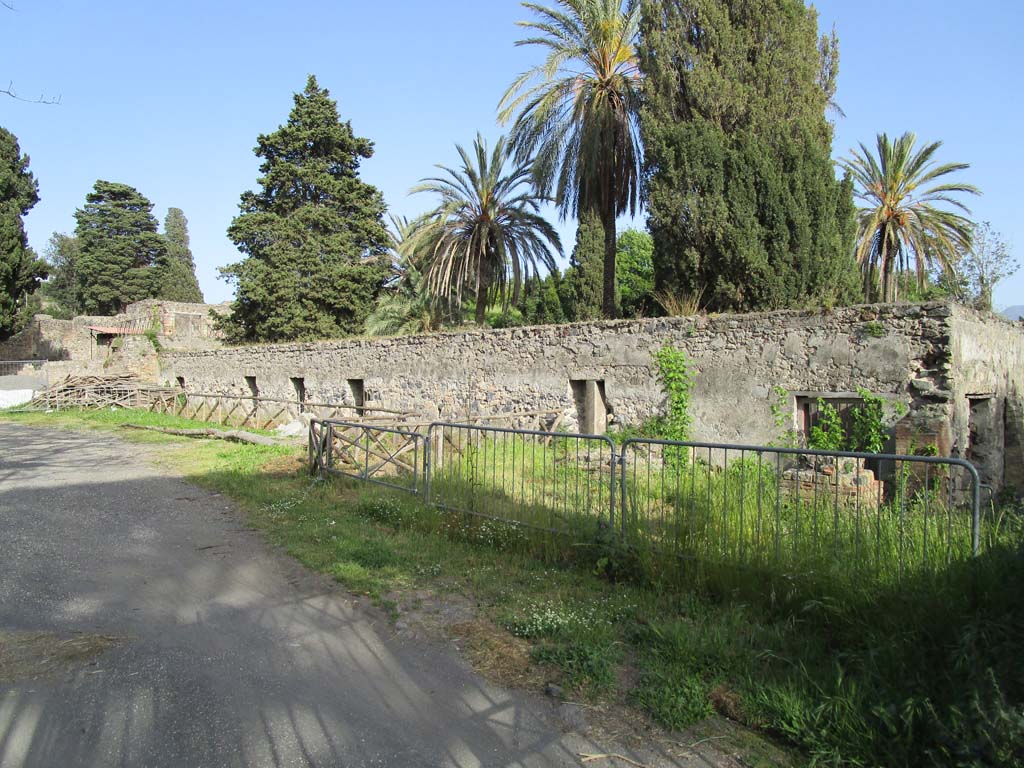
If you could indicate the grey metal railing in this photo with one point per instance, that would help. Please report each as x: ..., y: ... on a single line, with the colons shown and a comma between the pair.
x: 556, y: 482
x: 858, y: 516
x: 876, y: 515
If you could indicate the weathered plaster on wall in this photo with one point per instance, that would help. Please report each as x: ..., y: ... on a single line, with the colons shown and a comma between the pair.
x: 897, y: 350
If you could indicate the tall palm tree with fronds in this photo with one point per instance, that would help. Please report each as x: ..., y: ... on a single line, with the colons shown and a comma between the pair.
x: 576, y: 114
x: 486, y: 235
x: 900, y: 221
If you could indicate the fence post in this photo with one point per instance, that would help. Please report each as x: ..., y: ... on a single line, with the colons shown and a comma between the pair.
x: 428, y: 458
x: 313, y: 465
x: 366, y: 457
x: 330, y: 447
x: 618, y: 477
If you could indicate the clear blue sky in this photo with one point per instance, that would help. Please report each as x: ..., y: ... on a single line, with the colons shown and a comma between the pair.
x: 169, y: 97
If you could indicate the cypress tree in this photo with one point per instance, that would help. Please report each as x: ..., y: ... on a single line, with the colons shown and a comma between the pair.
x: 584, y: 278
x: 313, y: 236
x: 20, y: 269
x: 178, y: 280
x: 118, y: 249
x: 743, y: 200
x: 541, y: 303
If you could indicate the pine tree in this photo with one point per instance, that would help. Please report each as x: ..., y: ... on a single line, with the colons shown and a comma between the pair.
x: 313, y: 236
x: 119, y: 249
x: 584, y: 278
x: 178, y: 280
x: 20, y: 269
x: 744, y: 206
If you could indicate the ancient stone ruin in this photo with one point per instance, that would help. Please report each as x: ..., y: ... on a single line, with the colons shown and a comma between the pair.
x: 952, y: 378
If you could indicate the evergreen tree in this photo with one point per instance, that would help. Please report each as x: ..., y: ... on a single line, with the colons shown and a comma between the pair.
x: 313, y: 236
x: 118, y: 249
x: 61, y: 255
x: 20, y: 269
x: 178, y: 280
x: 584, y: 278
x: 744, y: 205
x: 542, y: 304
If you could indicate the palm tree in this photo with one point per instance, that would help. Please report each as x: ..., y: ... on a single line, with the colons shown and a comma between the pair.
x: 900, y: 221
x: 487, y: 234
x: 576, y: 114
x: 405, y: 306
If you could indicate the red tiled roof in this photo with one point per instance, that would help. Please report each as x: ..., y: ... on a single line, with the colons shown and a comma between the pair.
x: 116, y: 331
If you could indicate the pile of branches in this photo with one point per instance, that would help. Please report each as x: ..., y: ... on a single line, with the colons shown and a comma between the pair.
x: 119, y: 391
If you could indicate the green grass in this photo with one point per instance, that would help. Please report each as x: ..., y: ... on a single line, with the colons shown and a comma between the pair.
x: 919, y: 671
x: 112, y: 418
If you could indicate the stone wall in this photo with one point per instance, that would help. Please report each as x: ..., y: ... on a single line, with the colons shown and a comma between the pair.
x: 899, y: 351
x: 987, y: 395
x: 73, y: 346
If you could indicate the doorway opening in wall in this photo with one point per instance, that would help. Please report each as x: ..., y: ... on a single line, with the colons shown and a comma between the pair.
x: 591, y: 405
x: 105, y: 343
x: 358, y: 394
x: 299, y: 385
x: 254, y: 390
x: 985, y: 437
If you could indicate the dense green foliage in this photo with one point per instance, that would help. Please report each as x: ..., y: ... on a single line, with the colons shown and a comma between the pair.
x: 584, y: 282
x: 575, y: 115
x: 20, y: 269
x: 634, y: 273
x: 405, y: 305
x: 486, y: 235
x: 119, y: 251
x: 178, y: 280
x: 542, y: 302
x: 61, y: 288
x: 903, y: 225
x: 676, y: 380
x: 744, y: 207
x: 313, y: 236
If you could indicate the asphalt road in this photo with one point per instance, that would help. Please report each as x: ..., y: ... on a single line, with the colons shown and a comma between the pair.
x: 226, y: 652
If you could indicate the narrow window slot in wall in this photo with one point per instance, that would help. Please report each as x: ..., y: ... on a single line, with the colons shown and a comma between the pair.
x: 358, y: 394
x: 181, y: 381
x: 808, y: 412
x: 299, y: 385
x: 254, y: 391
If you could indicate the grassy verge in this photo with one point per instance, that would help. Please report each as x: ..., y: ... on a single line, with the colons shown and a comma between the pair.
x: 926, y: 673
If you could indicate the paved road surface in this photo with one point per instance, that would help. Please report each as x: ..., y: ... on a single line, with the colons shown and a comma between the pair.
x: 229, y: 654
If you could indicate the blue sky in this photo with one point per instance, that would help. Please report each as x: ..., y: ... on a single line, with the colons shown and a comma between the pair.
x: 170, y: 97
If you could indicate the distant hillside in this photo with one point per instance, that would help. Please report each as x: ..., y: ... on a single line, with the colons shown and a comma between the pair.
x: 1014, y: 313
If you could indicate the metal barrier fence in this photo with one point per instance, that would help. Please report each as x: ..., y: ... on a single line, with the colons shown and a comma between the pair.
x: 556, y: 482
x: 876, y: 515
x: 388, y: 456
x: 862, y: 516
